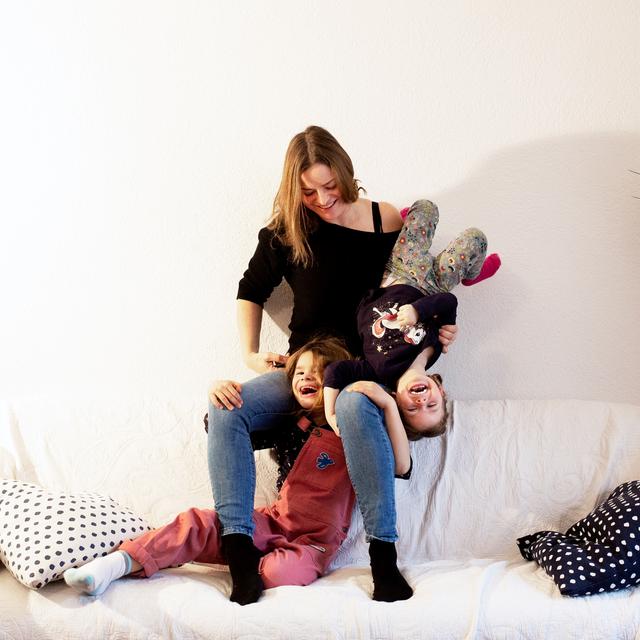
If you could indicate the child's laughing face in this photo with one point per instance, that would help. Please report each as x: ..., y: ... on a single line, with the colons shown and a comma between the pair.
x: 307, y: 383
x: 421, y: 401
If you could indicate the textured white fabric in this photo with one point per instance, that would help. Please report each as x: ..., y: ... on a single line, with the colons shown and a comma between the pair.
x: 506, y: 468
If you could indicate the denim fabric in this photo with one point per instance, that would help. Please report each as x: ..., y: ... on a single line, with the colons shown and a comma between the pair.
x: 265, y: 401
x: 370, y: 463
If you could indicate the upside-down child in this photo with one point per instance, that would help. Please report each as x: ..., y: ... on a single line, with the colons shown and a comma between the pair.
x: 296, y: 537
x: 398, y: 324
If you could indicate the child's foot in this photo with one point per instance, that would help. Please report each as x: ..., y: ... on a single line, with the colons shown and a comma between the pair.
x: 490, y: 265
x: 389, y: 584
x: 243, y: 559
x: 93, y: 578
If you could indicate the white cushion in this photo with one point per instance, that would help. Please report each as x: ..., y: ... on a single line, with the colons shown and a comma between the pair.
x: 43, y: 534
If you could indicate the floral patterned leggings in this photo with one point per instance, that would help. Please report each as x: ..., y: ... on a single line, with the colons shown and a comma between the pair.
x: 411, y: 263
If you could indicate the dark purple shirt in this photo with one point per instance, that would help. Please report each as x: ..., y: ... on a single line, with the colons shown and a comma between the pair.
x: 388, y: 350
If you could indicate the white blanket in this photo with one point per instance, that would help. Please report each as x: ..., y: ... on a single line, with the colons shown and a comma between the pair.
x: 505, y: 469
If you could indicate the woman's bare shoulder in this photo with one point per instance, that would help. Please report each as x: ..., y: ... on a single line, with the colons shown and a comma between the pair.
x: 391, y: 220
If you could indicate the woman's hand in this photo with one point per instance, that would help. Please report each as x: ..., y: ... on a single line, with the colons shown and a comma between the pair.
x: 374, y: 392
x: 264, y: 361
x: 447, y: 335
x: 225, y: 394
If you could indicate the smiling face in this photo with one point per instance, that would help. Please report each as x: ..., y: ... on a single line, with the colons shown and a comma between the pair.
x: 306, y: 383
x: 321, y: 193
x: 421, y: 401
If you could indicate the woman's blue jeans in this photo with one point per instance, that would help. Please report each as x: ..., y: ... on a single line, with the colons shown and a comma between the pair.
x: 267, y: 401
x: 370, y: 463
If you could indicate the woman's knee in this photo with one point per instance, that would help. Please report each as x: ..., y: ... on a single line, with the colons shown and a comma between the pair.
x: 220, y: 420
x: 353, y: 402
x: 357, y: 413
x: 264, y: 401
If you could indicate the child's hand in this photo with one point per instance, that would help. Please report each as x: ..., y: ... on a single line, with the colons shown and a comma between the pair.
x: 447, y: 334
x: 225, y: 394
x: 374, y: 392
x: 333, y: 423
x: 407, y: 316
x: 330, y: 396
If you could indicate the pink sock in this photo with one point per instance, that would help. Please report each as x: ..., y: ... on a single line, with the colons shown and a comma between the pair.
x: 489, y: 267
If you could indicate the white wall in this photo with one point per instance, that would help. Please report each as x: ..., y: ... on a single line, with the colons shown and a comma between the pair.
x: 141, y: 145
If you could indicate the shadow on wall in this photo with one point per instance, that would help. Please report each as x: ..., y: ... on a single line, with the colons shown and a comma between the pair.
x: 559, y: 319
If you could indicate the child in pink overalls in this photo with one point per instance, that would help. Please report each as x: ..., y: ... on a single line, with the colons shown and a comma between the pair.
x: 298, y: 535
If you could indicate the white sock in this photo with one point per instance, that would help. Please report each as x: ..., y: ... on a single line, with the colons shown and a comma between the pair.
x: 93, y: 578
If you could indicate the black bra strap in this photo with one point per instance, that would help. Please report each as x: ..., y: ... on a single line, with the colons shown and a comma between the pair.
x: 377, y: 218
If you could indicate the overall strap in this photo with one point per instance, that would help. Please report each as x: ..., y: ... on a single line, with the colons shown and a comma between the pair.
x: 377, y: 218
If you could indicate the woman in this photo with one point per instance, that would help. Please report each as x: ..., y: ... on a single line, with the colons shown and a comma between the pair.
x: 331, y: 246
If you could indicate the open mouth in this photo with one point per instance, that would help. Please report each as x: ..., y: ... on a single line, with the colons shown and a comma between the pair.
x: 327, y: 206
x: 418, y: 388
x: 308, y: 390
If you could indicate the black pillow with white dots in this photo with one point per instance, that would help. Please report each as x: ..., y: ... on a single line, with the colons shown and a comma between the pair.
x: 597, y: 554
x: 42, y: 534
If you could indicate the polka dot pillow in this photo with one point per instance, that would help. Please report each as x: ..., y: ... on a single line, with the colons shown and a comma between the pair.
x: 599, y: 553
x: 43, y: 534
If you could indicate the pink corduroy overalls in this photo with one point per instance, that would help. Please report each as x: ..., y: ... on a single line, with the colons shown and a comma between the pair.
x: 299, y: 533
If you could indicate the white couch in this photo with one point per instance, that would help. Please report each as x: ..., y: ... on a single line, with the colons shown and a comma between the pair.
x: 505, y: 469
